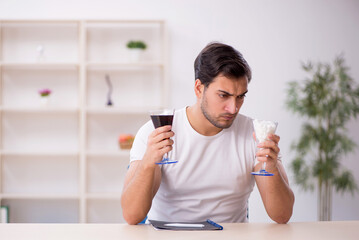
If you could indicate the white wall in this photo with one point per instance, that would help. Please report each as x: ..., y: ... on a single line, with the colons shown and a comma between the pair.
x: 274, y: 36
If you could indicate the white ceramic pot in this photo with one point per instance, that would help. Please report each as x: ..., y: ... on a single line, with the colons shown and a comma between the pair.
x: 44, y: 101
x: 135, y: 54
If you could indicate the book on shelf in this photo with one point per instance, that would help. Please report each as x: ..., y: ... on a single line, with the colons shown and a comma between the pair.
x: 4, y: 214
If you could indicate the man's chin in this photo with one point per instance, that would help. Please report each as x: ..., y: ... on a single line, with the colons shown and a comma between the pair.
x: 224, y: 125
x: 227, y: 126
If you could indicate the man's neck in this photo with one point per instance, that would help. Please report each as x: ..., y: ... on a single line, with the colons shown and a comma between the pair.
x: 199, y: 122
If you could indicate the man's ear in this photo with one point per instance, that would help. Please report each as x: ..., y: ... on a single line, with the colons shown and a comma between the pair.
x: 198, y: 88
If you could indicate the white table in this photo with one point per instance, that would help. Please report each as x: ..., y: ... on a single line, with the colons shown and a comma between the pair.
x: 348, y: 230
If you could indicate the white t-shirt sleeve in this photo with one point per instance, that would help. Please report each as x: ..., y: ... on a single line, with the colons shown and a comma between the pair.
x: 140, y: 143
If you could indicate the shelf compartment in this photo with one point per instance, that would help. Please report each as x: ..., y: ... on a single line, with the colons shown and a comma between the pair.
x: 103, y: 196
x: 20, y: 88
x: 40, y: 42
x: 120, y: 110
x: 106, y: 41
x: 40, y: 196
x: 39, y: 66
x: 43, y: 109
x: 123, y: 66
x: 119, y: 153
x: 106, y: 174
x: 42, y: 210
x: 104, y: 211
x: 39, y: 154
x: 40, y: 132
x: 40, y: 175
x: 131, y: 89
x: 103, y: 131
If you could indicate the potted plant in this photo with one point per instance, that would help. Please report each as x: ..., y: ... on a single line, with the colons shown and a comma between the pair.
x: 327, y: 99
x: 136, y: 49
x: 44, y: 96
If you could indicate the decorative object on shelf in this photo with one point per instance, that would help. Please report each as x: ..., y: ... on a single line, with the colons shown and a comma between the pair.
x: 328, y: 99
x: 125, y: 141
x: 4, y: 214
x: 44, y: 96
x: 136, y: 49
x: 40, y: 53
x: 109, y: 93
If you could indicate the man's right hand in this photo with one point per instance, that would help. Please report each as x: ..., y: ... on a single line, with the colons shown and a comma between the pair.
x: 158, y: 144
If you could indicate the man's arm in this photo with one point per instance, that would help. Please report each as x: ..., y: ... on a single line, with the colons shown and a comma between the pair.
x: 141, y: 184
x: 277, y: 197
x: 144, y: 177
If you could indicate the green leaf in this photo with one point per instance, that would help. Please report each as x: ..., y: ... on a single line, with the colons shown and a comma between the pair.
x: 302, y: 174
x: 345, y: 182
x: 136, y: 44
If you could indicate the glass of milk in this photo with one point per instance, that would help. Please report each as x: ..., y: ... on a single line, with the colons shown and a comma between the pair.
x: 262, y: 129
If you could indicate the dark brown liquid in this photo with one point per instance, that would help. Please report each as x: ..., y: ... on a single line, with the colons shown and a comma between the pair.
x: 161, y: 120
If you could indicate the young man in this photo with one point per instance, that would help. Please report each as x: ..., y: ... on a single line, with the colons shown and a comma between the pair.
x: 215, y: 150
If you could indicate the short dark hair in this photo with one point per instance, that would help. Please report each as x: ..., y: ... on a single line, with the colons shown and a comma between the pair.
x: 218, y: 58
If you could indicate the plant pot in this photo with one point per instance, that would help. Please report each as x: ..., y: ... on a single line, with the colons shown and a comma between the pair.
x: 135, y: 54
x: 44, y: 101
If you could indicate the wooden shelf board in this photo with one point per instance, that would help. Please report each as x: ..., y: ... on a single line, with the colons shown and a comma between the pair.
x: 44, y: 109
x: 39, y: 154
x: 119, y: 153
x: 40, y: 196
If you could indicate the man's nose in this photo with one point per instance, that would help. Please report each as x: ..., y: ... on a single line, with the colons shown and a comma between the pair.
x: 231, y: 107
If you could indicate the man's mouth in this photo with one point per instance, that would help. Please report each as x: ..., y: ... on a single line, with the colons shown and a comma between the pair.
x: 228, y: 117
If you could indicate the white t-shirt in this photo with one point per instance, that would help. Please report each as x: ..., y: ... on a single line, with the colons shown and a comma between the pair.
x: 212, y: 178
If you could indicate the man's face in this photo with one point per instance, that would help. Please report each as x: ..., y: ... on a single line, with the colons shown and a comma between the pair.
x: 222, y: 99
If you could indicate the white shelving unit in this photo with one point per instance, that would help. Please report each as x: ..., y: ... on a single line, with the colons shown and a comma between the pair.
x: 60, y: 162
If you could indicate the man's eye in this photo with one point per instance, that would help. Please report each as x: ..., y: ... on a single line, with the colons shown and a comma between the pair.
x: 222, y: 95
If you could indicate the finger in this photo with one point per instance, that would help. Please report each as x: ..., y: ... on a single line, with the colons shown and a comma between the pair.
x: 269, y: 145
x: 161, y: 130
x: 164, y: 150
x: 157, y: 144
x: 158, y: 149
x: 160, y: 137
x: 267, y: 153
x: 262, y: 159
x: 165, y: 143
x: 274, y: 138
x: 157, y: 154
x: 265, y: 158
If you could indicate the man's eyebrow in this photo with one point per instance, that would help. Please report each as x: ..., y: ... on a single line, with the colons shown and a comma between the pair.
x: 244, y: 93
x: 230, y: 94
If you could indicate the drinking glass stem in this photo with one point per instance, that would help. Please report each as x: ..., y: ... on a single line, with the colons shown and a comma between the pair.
x: 264, y: 166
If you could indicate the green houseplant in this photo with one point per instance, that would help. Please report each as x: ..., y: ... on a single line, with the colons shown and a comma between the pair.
x: 327, y: 99
x: 136, y: 45
x: 136, y: 50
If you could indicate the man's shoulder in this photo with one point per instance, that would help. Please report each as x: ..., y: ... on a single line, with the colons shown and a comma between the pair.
x: 146, y: 128
x: 180, y: 115
x: 180, y: 111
